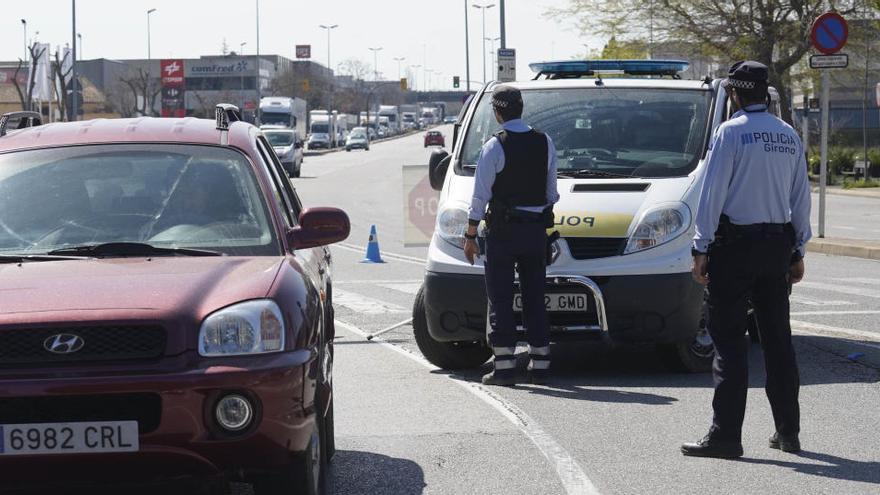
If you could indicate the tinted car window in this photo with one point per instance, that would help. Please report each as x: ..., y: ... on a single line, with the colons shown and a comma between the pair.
x: 629, y: 131
x: 167, y: 195
x: 276, y: 138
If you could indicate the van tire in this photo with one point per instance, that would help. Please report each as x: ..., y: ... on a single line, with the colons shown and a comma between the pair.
x: 695, y: 355
x: 446, y: 355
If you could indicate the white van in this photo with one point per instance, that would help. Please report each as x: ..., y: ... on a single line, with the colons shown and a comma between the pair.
x: 630, y: 154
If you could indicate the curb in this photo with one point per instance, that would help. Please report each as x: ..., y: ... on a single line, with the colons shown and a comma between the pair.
x: 845, y: 248
x: 873, y: 192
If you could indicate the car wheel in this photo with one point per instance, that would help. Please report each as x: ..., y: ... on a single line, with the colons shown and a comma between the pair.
x: 296, y: 173
x: 347, y: 149
x: 446, y: 355
x: 696, y: 355
x: 306, y: 474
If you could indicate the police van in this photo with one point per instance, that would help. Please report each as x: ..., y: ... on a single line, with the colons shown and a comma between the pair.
x: 631, y: 139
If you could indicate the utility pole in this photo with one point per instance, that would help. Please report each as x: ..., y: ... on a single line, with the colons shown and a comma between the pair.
x: 241, y: 90
x: 868, y: 38
x: 329, y: 28
x: 484, y: 8
x: 149, y: 54
x: 399, y: 60
x: 467, y: 49
x: 74, y: 114
x: 79, y: 39
x: 375, y: 51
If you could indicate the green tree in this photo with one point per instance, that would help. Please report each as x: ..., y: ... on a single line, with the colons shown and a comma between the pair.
x: 774, y: 32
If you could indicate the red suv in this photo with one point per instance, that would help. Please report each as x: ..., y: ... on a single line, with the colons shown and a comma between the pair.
x: 434, y: 138
x: 165, y: 308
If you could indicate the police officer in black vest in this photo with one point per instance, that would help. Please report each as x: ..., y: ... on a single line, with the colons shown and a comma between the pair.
x: 516, y: 178
x: 752, y: 227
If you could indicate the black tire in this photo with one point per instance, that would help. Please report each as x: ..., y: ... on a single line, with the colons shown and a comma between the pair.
x: 695, y: 355
x: 306, y: 476
x: 348, y: 149
x: 297, y: 171
x: 446, y: 355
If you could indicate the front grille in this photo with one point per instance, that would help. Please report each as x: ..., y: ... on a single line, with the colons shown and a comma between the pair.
x: 144, y: 408
x: 27, y: 346
x: 588, y: 248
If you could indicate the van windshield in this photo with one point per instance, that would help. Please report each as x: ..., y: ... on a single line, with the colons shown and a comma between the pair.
x: 319, y: 128
x: 621, y: 131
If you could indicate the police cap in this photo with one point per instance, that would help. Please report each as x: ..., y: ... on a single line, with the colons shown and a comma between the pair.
x: 504, y: 96
x: 746, y: 74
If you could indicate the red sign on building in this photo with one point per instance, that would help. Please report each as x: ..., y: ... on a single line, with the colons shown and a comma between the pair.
x: 303, y: 51
x: 172, y: 72
x: 173, y: 88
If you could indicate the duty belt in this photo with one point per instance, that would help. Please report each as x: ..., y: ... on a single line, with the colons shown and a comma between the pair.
x: 759, y: 228
x: 520, y: 216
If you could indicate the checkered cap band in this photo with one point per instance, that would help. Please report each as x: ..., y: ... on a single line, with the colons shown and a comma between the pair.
x: 500, y: 103
x: 737, y: 83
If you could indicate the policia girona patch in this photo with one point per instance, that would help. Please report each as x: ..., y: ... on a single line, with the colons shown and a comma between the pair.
x: 774, y: 142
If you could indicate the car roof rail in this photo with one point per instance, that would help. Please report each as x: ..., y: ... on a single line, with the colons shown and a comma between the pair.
x: 226, y: 113
x: 25, y: 120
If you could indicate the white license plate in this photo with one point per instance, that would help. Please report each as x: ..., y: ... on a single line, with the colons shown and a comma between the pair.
x: 69, y: 438
x: 557, y: 302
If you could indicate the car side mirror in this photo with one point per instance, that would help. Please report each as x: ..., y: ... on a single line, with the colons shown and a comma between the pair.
x: 319, y: 227
x: 437, y: 166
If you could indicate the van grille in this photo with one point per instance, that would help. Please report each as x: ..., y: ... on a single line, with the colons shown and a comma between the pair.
x: 588, y: 248
x: 27, y: 346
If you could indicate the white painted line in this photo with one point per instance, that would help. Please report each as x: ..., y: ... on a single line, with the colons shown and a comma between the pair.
x: 827, y: 330
x: 843, y: 289
x: 363, y: 304
x: 571, y: 476
x: 385, y: 254
x: 389, y: 281
x: 829, y: 313
x: 799, y: 299
x: 407, y: 288
x: 860, y: 280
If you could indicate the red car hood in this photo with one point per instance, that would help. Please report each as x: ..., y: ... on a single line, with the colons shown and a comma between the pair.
x: 174, y: 292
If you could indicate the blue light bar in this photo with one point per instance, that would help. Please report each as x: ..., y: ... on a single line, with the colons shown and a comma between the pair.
x: 630, y: 67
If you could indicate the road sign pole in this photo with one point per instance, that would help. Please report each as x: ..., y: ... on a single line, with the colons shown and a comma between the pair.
x: 823, y: 171
x: 805, y: 127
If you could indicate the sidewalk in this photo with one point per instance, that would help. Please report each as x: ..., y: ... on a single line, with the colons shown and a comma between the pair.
x: 868, y: 192
x: 858, y: 248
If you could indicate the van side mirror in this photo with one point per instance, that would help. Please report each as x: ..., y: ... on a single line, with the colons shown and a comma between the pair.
x: 437, y: 166
x: 455, y: 128
x: 319, y: 227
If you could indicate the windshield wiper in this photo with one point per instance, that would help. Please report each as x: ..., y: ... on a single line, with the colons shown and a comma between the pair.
x: 585, y: 172
x: 122, y: 249
x: 21, y: 258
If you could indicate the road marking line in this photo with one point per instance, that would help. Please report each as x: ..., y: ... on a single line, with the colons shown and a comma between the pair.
x: 389, y: 281
x: 365, y: 305
x: 843, y: 289
x: 816, y: 302
x: 828, y: 313
x: 827, y: 330
x: 571, y: 476
x: 394, y: 256
x: 860, y: 280
x: 407, y: 288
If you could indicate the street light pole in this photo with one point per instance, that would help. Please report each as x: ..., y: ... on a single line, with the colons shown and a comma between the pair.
x: 493, y: 52
x: 484, y: 8
x: 149, y: 53
x: 375, y: 51
x: 503, y: 31
x: 416, y: 73
x: 399, y: 60
x: 328, y: 28
x: 74, y: 107
x: 24, y: 25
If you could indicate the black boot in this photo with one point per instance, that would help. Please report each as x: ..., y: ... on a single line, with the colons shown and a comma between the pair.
x: 785, y: 443
x: 504, y: 378
x: 708, y: 447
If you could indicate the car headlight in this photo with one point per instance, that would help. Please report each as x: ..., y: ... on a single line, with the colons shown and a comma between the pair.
x: 451, y: 225
x: 251, y: 327
x: 659, y: 226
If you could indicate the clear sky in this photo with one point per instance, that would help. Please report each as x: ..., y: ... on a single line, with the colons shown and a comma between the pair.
x: 426, y: 32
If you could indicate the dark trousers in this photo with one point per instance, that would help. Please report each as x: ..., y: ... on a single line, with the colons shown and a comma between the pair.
x: 519, y: 246
x: 753, y: 269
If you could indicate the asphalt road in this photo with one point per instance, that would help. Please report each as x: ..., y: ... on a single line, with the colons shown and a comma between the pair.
x: 848, y: 217
x: 612, y: 421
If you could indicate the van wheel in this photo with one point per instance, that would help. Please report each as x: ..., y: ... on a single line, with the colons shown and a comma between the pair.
x: 446, y: 355
x: 696, y: 355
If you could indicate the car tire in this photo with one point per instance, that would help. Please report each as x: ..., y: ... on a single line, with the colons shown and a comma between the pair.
x: 446, y: 355
x: 305, y: 475
x: 348, y: 149
x: 696, y: 355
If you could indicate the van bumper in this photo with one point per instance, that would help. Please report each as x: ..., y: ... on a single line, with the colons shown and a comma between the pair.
x: 637, y: 309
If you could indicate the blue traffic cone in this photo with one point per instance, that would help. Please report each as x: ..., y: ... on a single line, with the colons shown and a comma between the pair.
x: 372, y: 255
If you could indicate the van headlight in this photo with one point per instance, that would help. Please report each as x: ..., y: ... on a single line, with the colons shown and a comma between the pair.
x: 251, y: 327
x: 452, y: 223
x: 659, y: 226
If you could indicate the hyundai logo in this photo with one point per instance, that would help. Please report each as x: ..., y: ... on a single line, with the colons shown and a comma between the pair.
x: 63, y: 343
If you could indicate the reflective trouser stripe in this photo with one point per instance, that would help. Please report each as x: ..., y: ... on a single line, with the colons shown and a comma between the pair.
x: 539, y: 364
x: 504, y: 351
x: 539, y: 351
x: 505, y: 364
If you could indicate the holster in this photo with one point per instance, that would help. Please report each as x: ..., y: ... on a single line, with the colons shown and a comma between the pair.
x: 550, y: 240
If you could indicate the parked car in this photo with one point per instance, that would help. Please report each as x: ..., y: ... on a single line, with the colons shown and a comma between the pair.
x: 289, y: 148
x: 166, y: 311
x: 357, y: 139
x: 451, y: 119
x: 434, y: 138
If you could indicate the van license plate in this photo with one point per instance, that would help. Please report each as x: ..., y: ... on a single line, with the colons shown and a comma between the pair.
x: 557, y: 302
x: 69, y: 438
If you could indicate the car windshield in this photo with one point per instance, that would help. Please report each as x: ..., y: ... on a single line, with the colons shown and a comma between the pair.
x: 358, y: 134
x: 279, y: 138
x: 618, y: 131
x: 174, y: 196
x: 274, y: 118
x: 319, y: 128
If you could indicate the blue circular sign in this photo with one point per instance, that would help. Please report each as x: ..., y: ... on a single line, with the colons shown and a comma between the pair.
x: 829, y: 33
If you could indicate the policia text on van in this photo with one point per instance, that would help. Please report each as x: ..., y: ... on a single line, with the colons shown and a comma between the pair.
x: 630, y: 157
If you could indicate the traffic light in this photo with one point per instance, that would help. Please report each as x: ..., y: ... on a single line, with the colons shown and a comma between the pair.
x: 403, y: 83
x: 306, y: 86
x: 456, y: 81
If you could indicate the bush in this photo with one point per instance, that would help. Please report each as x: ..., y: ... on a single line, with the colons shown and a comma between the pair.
x: 860, y: 184
x: 840, y: 160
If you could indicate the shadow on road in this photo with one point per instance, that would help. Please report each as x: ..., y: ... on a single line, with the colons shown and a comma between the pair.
x: 831, y: 467
x: 598, y: 394
x: 357, y: 473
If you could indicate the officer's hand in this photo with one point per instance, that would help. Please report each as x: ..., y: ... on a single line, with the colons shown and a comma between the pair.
x: 700, y: 270
x: 471, y: 250
x: 796, y: 271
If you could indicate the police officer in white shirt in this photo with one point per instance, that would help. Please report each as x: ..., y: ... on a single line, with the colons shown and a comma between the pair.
x: 752, y: 226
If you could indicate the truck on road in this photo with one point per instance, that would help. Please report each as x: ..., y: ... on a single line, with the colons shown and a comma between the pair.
x: 322, y: 130
x: 392, y: 113
x: 284, y: 112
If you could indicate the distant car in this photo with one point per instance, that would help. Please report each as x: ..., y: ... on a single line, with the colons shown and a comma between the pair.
x: 357, y: 139
x: 289, y: 148
x: 434, y: 138
x: 384, y: 131
x: 169, y: 319
x: 450, y: 120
